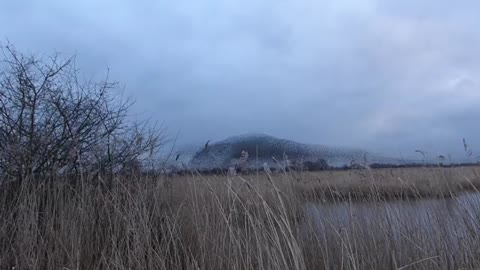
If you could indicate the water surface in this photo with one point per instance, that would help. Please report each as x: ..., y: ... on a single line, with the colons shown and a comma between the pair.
x: 421, y: 223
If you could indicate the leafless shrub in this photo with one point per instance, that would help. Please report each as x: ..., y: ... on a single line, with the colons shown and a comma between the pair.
x: 51, y: 122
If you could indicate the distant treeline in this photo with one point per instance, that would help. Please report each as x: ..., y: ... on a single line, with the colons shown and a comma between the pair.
x: 420, y: 165
x: 405, y: 165
x: 314, y: 167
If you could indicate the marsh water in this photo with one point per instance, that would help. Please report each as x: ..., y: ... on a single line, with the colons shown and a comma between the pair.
x: 421, y: 224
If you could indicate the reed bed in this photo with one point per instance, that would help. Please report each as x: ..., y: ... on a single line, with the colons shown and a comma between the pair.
x: 281, y: 221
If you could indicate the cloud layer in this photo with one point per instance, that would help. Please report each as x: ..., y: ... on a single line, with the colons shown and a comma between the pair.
x: 390, y: 76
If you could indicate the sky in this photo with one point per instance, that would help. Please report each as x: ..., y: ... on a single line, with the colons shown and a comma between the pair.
x: 383, y: 75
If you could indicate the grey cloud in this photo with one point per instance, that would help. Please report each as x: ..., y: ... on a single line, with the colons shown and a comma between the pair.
x: 385, y: 75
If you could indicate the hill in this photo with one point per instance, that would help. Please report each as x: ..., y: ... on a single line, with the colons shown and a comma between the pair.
x: 262, y: 148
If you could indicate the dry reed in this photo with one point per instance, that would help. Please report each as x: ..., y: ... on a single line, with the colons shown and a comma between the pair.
x: 283, y: 221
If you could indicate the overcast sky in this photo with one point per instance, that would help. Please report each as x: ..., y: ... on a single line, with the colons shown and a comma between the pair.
x: 384, y: 75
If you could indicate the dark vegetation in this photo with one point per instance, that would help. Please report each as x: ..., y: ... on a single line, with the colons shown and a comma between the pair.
x: 53, y: 122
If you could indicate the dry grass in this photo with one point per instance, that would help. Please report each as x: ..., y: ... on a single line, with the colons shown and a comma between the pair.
x: 388, y: 184
x: 250, y: 222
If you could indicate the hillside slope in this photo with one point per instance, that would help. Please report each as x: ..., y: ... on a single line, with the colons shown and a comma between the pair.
x: 262, y: 148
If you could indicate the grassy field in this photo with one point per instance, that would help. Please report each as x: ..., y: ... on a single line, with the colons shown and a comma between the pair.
x: 254, y: 221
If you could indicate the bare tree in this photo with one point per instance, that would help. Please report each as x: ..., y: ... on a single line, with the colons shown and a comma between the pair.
x: 52, y: 123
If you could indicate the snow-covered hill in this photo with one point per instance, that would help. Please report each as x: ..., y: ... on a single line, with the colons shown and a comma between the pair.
x: 262, y: 148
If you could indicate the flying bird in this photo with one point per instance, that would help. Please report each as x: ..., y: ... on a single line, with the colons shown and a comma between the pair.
x: 178, y: 155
